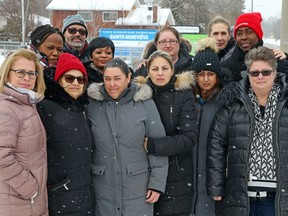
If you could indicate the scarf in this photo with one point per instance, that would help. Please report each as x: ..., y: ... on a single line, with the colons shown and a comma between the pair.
x: 32, y: 95
x: 262, y: 157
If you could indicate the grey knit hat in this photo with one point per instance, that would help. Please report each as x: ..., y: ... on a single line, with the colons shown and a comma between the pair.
x: 206, y: 57
x: 74, y: 19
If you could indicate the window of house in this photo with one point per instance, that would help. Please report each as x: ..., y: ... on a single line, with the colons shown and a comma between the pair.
x: 109, y: 16
x: 87, y: 16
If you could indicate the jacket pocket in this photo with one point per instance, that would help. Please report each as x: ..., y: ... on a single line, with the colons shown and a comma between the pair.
x: 98, y: 170
x: 63, y: 184
x: 137, y: 168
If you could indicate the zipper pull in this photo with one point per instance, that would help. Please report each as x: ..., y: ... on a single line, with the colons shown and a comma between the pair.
x: 171, y: 109
x: 65, y: 186
x: 33, y: 197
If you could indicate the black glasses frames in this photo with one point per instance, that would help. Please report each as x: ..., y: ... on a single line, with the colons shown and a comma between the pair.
x: 22, y: 73
x: 82, y: 32
x: 70, y: 79
x: 257, y: 73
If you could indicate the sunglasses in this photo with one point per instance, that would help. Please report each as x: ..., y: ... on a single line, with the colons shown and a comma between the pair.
x: 22, y: 73
x: 70, y: 79
x: 264, y: 73
x: 82, y: 32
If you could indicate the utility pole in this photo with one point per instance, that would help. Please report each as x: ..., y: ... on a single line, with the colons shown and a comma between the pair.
x: 23, y: 23
x: 252, y: 6
x: 284, y: 29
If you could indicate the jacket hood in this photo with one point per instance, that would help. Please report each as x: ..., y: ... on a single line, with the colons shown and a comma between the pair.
x: 143, y: 91
x: 183, y: 81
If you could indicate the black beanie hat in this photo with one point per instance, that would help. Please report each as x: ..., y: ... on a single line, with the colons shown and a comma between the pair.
x: 206, y: 57
x: 101, y: 42
x: 39, y: 35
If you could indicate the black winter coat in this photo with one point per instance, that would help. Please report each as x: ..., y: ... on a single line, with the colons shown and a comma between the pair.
x: 84, y: 56
x: 229, y: 145
x: 235, y: 62
x: 69, y: 154
x: 230, y: 45
x: 94, y: 75
x: 176, y: 105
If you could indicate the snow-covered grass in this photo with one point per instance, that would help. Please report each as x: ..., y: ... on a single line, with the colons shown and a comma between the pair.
x: 269, y: 42
x: 2, y: 58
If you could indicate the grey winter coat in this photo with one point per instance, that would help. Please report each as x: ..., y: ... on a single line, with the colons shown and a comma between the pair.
x: 122, y: 170
x: 205, y: 205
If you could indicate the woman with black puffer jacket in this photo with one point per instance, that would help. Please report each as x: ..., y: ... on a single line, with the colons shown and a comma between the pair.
x: 176, y: 105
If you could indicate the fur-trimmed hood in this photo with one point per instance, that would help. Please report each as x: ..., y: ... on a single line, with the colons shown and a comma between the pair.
x: 183, y: 81
x: 140, y: 91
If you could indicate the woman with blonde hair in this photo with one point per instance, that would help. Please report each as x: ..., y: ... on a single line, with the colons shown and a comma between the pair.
x: 23, y: 159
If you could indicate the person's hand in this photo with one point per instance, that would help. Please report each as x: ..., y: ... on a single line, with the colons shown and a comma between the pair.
x: 152, y: 196
x: 143, y: 63
x: 279, y: 54
x: 145, y: 143
x: 217, y: 198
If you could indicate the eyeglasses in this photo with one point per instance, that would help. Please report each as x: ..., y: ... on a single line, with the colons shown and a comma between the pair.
x: 264, y: 73
x: 22, y: 73
x: 164, y: 42
x: 82, y: 32
x: 70, y: 79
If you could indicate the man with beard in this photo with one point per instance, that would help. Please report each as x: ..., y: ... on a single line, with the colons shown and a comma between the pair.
x: 75, y: 33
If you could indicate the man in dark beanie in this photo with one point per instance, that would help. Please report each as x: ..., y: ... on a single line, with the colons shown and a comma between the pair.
x: 75, y: 32
x: 248, y: 34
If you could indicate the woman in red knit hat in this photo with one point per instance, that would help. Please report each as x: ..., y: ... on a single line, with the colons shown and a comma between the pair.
x: 69, y: 140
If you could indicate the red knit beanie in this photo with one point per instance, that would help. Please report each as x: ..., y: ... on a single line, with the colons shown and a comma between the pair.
x: 68, y: 62
x: 251, y: 20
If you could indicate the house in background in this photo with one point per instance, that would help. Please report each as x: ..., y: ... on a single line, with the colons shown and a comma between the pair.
x: 115, y: 14
x: 127, y: 23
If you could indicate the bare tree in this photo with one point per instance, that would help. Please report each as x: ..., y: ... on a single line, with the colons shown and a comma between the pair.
x: 200, y: 12
x: 11, y: 11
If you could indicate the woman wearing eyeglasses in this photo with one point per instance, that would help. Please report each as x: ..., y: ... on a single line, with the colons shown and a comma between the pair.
x: 169, y: 40
x: 69, y: 140
x: 23, y: 159
x: 247, y: 145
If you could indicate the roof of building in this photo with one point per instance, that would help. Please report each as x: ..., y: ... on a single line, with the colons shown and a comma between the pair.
x: 138, y: 15
x: 92, y: 5
x: 144, y: 16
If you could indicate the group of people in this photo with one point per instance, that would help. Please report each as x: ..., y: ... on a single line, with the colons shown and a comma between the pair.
x: 83, y: 134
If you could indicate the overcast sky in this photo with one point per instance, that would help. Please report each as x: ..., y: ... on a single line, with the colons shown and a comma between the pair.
x: 266, y: 7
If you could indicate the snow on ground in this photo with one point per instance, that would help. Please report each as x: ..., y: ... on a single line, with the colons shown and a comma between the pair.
x: 269, y: 42
x: 2, y: 58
